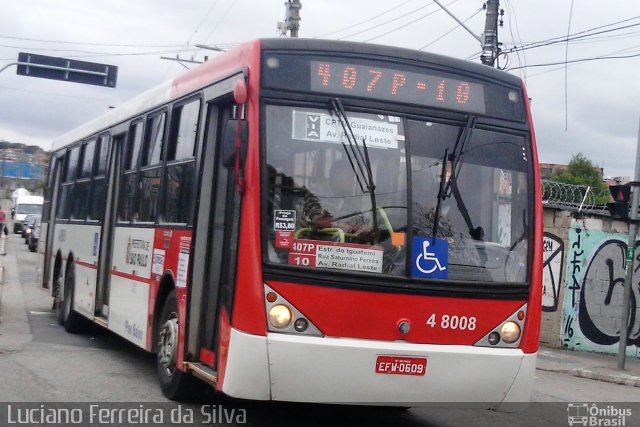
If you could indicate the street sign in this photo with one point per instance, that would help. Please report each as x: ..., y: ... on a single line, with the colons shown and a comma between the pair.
x: 70, y: 70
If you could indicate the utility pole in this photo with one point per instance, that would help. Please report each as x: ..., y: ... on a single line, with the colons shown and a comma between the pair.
x: 630, y: 258
x: 490, y: 48
x: 291, y: 21
x: 489, y: 39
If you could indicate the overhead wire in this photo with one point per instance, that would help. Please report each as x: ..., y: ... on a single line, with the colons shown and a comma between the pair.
x: 408, y: 23
x: 512, y: 14
x: 566, y: 57
x: 365, y: 21
x: 90, y: 43
x: 575, y: 61
x: 204, y: 19
x: 572, y: 37
x: 411, y: 12
x: 222, y: 18
x: 451, y: 30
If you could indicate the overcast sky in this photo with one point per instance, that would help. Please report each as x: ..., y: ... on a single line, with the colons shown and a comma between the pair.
x: 591, y: 106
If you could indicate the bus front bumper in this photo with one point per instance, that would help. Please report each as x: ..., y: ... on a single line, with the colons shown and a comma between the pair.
x: 342, y: 370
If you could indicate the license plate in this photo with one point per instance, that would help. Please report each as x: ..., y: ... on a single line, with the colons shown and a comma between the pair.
x: 401, y: 365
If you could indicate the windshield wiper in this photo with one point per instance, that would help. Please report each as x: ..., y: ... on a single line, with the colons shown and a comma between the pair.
x: 358, y: 158
x: 448, y: 184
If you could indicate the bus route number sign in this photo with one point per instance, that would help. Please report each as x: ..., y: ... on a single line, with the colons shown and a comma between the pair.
x: 401, y: 365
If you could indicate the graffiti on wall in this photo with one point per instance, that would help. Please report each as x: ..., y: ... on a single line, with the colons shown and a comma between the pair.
x: 596, y: 263
x: 553, y: 255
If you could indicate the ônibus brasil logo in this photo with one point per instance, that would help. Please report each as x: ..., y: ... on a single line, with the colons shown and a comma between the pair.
x: 593, y: 415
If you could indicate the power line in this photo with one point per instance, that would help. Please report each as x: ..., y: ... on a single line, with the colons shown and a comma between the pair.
x: 365, y: 21
x: 105, y: 54
x: 408, y: 23
x: 512, y: 12
x: 606, y: 55
x: 222, y: 18
x: 566, y: 56
x: 577, y: 36
x: 451, y: 30
x: 89, y: 43
x: 204, y: 19
x: 574, y: 61
x: 39, y: 92
x: 411, y: 12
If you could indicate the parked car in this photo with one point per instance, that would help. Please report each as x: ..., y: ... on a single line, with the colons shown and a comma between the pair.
x: 34, y: 236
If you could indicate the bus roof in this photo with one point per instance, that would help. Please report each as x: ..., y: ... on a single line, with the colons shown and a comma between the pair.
x: 234, y: 60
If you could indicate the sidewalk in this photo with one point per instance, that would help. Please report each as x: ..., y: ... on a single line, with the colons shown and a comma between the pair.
x: 595, y: 366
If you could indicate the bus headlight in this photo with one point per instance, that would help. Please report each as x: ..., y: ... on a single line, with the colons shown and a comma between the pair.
x: 280, y: 316
x: 510, y: 332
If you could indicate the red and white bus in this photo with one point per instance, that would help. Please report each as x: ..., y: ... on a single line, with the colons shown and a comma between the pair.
x: 196, y: 222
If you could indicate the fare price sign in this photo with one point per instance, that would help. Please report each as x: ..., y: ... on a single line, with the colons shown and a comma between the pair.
x: 398, y: 85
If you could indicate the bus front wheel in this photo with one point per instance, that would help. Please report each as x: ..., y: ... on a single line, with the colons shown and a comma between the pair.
x: 175, y: 384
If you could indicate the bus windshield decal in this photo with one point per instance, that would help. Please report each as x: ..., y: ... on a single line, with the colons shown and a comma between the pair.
x: 341, y: 256
x: 320, y: 127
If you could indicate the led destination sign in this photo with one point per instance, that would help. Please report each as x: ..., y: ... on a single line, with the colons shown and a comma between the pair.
x: 396, y: 85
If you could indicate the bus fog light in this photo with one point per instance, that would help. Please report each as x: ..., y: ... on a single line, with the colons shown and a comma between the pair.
x: 494, y: 338
x: 301, y: 324
x: 280, y: 316
x: 510, y: 332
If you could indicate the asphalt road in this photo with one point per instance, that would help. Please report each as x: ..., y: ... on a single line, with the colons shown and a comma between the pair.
x: 42, y: 364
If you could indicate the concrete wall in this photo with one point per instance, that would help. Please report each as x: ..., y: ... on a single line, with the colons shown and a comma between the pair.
x: 584, y: 271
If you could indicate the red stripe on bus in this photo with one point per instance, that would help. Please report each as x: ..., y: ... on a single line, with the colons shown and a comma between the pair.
x: 86, y: 264
x: 131, y: 277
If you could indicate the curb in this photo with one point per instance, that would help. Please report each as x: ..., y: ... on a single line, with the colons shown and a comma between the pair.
x: 622, y: 379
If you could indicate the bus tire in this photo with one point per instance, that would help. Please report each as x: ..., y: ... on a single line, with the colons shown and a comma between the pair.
x: 72, y: 321
x: 175, y: 384
x: 57, y: 301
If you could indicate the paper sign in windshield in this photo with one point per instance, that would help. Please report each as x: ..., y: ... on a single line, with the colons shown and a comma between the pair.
x: 326, y: 128
x: 341, y: 256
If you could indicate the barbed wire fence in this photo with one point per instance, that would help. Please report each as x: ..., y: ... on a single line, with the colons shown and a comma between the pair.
x: 580, y: 198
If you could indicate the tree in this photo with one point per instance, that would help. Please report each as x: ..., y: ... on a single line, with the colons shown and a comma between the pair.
x: 582, y: 171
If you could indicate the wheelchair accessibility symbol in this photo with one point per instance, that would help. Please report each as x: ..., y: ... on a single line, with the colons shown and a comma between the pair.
x: 430, y: 257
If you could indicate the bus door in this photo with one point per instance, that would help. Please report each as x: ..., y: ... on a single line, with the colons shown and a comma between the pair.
x: 108, y: 227
x: 50, y: 213
x: 216, y: 235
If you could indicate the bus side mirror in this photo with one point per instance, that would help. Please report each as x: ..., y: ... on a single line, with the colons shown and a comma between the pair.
x: 229, y: 142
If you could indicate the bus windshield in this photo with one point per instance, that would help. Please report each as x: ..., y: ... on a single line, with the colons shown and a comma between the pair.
x: 451, y: 200
x: 29, y: 209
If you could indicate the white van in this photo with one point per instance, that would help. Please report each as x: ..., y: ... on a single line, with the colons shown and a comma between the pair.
x: 26, y: 205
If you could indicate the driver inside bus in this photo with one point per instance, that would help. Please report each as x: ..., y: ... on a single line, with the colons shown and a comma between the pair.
x: 337, y: 204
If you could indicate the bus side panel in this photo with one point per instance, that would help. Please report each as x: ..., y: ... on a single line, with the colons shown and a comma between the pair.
x: 83, y: 241
x: 248, y: 314
x: 171, y: 256
x: 531, y: 333
x: 131, y: 283
x: 72, y: 240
